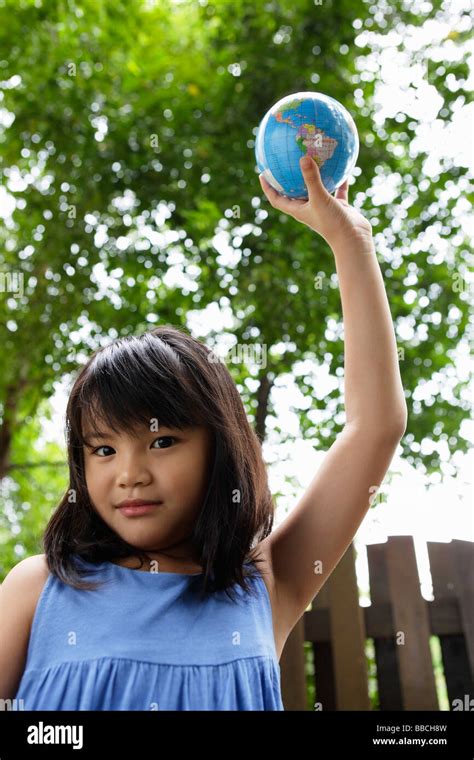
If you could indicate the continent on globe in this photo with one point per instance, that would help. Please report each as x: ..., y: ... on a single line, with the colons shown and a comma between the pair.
x: 316, y: 144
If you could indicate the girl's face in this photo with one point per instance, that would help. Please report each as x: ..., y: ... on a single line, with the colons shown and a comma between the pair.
x: 170, y: 466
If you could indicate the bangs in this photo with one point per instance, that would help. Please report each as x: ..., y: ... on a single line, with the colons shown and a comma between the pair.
x: 136, y: 383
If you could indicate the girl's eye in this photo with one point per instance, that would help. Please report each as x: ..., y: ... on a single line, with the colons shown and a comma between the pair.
x: 164, y: 438
x: 161, y: 438
x: 102, y: 447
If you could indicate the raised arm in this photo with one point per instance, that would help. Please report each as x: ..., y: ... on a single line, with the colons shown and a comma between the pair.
x: 307, y: 546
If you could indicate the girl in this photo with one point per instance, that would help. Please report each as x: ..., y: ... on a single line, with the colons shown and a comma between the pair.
x: 162, y: 585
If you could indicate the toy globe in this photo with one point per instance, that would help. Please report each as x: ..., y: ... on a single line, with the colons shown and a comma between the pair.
x: 306, y: 123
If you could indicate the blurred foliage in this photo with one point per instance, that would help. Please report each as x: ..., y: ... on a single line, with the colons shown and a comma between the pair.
x: 128, y: 144
x: 30, y: 492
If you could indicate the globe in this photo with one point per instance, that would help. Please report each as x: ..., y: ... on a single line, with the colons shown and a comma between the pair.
x: 306, y: 123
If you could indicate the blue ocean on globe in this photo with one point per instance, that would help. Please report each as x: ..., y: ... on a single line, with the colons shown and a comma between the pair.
x: 306, y: 123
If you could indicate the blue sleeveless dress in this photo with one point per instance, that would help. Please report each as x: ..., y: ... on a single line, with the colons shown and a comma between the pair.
x: 146, y: 641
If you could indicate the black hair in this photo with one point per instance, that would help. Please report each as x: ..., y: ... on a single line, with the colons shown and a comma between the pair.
x: 169, y: 375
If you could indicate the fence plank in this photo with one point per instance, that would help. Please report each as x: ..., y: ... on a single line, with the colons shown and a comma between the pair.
x: 453, y: 645
x: 463, y: 554
x: 411, y: 619
x: 388, y: 679
x: 444, y: 617
x: 292, y: 670
x: 348, y: 636
x: 322, y: 652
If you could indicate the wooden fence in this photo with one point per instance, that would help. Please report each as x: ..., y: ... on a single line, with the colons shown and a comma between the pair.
x: 400, y: 622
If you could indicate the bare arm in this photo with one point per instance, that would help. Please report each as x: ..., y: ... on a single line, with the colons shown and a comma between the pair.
x: 19, y: 594
x: 306, y: 547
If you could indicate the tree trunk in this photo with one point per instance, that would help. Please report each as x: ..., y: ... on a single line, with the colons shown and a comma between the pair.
x: 263, y: 395
x: 12, y: 397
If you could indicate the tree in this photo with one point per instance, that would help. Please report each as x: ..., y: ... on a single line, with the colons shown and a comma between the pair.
x: 128, y: 145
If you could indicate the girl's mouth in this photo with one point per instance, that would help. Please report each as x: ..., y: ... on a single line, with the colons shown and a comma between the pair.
x: 137, y: 510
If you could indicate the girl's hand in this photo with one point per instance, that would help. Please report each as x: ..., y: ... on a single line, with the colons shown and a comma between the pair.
x: 330, y: 216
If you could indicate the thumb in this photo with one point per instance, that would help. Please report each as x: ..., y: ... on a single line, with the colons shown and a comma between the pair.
x: 342, y: 192
x: 312, y: 177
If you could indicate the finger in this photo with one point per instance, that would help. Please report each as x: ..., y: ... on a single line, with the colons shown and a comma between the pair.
x: 342, y: 192
x: 312, y: 178
x: 277, y: 200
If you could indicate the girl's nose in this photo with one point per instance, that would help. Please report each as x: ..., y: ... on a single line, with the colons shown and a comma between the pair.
x: 131, y: 475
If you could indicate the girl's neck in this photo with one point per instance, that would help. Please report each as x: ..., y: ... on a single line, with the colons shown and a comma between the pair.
x: 158, y: 562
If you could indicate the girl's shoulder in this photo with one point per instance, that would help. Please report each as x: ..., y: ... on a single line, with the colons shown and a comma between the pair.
x: 31, y: 569
x: 26, y: 581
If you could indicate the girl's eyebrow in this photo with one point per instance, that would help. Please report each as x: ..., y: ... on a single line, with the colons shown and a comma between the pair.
x: 100, y: 436
x: 97, y: 436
